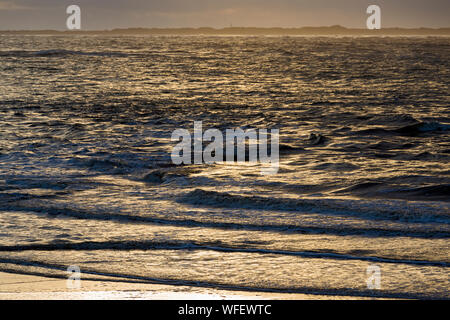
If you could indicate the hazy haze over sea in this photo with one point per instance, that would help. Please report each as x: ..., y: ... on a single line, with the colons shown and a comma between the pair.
x: 86, y: 177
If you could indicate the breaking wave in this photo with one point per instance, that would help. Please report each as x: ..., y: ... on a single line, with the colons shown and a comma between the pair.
x: 59, y: 52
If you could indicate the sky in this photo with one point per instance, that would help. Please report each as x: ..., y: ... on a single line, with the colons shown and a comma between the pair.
x: 109, y: 14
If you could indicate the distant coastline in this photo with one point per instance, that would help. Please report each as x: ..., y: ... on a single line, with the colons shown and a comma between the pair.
x: 320, y: 31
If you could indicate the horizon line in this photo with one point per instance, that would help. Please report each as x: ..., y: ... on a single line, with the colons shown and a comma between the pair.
x: 334, y: 29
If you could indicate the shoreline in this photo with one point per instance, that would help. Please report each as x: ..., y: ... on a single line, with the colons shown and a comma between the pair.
x: 15, y: 286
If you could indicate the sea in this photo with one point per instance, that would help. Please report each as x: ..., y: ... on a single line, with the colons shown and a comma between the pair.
x: 359, y: 207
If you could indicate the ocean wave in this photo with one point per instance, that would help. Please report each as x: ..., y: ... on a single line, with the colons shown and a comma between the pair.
x: 410, y: 130
x: 158, y: 176
x: 209, y: 246
x: 439, y: 192
x: 288, y: 226
x: 386, y: 145
x: 286, y: 148
x: 423, y: 127
x: 339, y: 166
x: 391, y: 119
x: 329, y: 206
x: 59, y: 52
x: 57, y: 270
x: 108, y: 164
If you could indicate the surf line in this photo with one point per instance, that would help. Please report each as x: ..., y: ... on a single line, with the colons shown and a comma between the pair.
x: 236, y: 145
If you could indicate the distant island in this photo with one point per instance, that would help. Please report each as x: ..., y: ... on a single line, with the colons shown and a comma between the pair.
x: 304, y: 31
